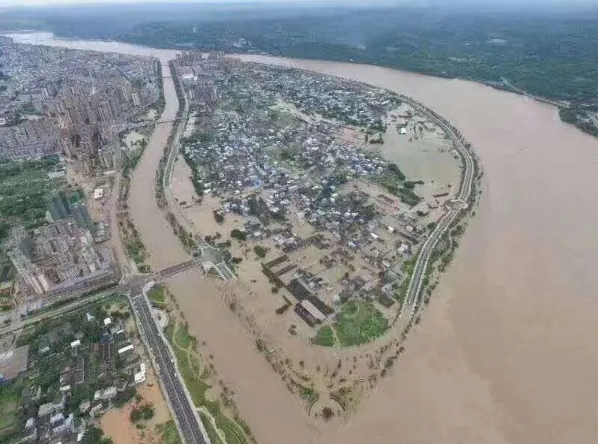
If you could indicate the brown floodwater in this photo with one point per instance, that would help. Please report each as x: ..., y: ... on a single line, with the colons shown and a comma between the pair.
x: 505, y: 352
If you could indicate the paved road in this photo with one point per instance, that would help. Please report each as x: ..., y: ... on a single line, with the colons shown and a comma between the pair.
x: 419, y: 271
x: 182, y: 407
x: 82, y: 302
x: 133, y: 284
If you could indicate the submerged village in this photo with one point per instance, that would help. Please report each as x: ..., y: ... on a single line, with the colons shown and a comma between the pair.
x: 289, y: 174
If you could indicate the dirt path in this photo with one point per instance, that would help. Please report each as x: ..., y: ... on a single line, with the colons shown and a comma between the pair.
x: 116, y: 424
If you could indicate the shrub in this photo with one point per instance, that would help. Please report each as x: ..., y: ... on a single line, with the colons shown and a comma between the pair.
x: 142, y: 413
x: 238, y: 234
x: 327, y: 413
x: 219, y: 217
x: 260, y: 251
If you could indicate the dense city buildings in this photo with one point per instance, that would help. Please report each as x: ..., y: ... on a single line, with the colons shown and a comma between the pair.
x: 69, y: 120
x: 74, y: 103
x: 57, y: 256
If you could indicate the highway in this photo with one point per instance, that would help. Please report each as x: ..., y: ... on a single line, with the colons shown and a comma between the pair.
x: 182, y: 406
x: 419, y: 272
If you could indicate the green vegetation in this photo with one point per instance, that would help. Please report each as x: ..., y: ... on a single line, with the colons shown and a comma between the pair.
x: 309, y: 394
x: 51, y: 354
x: 327, y: 413
x: 577, y: 114
x: 260, y: 251
x: 409, y: 265
x: 188, y: 362
x: 23, y: 188
x: 9, y: 403
x: 393, y: 180
x: 169, y: 433
x: 186, y: 238
x: 359, y: 322
x: 540, y: 51
x: 136, y: 249
x: 182, y: 338
x: 94, y: 435
x: 401, y: 293
x: 218, y: 217
x: 238, y: 234
x: 394, y: 169
x: 324, y: 337
x: 161, y: 102
x: 233, y: 432
x: 140, y: 413
x: 212, y: 434
x: 195, y: 176
x: 181, y: 341
x: 156, y: 295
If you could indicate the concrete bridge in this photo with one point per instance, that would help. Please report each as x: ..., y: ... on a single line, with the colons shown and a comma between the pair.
x: 175, y: 269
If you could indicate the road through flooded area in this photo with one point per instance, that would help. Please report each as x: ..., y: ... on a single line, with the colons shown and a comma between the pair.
x: 505, y: 352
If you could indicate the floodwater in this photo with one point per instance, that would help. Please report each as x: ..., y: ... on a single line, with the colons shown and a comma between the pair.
x: 505, y: 352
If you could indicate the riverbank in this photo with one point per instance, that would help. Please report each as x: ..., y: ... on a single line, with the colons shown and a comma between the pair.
x: 505, y: 353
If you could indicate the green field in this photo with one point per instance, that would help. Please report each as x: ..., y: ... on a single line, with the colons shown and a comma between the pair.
x: 168, y: 433
x: 180, y: 342
x: 23, y: 187
x: 359, y: 322
x: 324, y: 337
x: 8, y: 410
x: 182, y: 338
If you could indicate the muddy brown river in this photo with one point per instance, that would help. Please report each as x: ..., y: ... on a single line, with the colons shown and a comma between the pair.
x: 506, y: 351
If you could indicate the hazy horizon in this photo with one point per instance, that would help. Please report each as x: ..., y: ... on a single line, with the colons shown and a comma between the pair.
x: 17, y: 4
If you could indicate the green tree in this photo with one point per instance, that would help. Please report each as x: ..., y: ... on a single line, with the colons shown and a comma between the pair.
x: 238, y: 234
x: 95, y: 435
x: 260, y: 251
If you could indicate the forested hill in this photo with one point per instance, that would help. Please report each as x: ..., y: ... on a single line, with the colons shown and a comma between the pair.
x: 547, y: 54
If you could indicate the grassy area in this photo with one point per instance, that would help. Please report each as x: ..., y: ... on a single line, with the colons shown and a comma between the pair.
x: 309, y: 394
x: 182, y: 338
x: 408, y: 266
x: 189, y: 367
x: 233, y: 432
x: 8, y: 410
x: 196, y: 386
x: 324, y: 337
x: 156, y: 295
x: 359, y: 322
x: 169, y: 434
x: 135, y: 249
x: 195, y: 365
x: 214, y: 437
